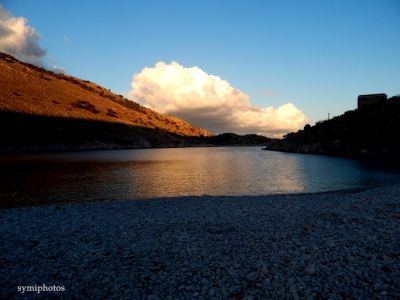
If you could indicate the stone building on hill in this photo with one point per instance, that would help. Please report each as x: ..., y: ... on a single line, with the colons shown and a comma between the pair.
x: 370, y: 99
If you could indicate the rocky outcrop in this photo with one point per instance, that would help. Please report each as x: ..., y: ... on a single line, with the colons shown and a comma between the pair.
x: 372, y: 132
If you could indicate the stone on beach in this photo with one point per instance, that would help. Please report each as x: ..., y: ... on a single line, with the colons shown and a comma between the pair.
x: 333, y: 245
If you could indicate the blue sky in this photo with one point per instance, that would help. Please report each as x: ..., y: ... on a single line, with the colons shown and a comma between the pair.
x: 318, y: 55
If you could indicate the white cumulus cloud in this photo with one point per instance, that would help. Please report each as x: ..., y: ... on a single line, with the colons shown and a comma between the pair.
x: 20, y: 40
x: 210, y: 102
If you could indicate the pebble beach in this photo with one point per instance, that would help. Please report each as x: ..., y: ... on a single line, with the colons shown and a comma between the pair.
x: 333, y: 245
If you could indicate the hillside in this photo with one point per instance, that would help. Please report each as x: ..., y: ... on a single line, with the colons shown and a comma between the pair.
x: 371, y: 132
x: 41, y: 110
x: 31, y: 90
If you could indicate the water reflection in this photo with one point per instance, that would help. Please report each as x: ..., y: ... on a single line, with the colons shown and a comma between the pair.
x: 127, y: 174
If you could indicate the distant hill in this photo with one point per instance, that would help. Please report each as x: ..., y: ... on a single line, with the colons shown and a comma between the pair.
x: 371, y: 132
x: 232, y: 139
x: 41, y: 110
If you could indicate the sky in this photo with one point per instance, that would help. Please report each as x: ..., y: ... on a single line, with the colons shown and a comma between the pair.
x: 264, y: 66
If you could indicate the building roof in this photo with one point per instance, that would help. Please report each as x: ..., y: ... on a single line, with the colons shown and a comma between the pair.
x: 371, y: 95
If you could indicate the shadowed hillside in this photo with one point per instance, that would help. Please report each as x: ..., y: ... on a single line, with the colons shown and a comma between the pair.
x: 371, y: 132
x: 25, y: 132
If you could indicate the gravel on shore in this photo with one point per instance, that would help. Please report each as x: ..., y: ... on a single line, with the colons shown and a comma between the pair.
x: 335, y: 245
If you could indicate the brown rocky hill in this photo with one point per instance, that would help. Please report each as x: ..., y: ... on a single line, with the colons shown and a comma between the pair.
x: 45, y: 111
x: 31, y: 90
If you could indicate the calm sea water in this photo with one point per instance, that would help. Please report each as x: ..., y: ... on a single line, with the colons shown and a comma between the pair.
x: 128, y: 174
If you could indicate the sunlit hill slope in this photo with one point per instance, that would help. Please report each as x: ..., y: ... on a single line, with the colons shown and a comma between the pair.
x: 42, y: 110
x: 29, y: 89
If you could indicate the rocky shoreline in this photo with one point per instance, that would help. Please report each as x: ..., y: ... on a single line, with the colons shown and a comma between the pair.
x: 335, y: 245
